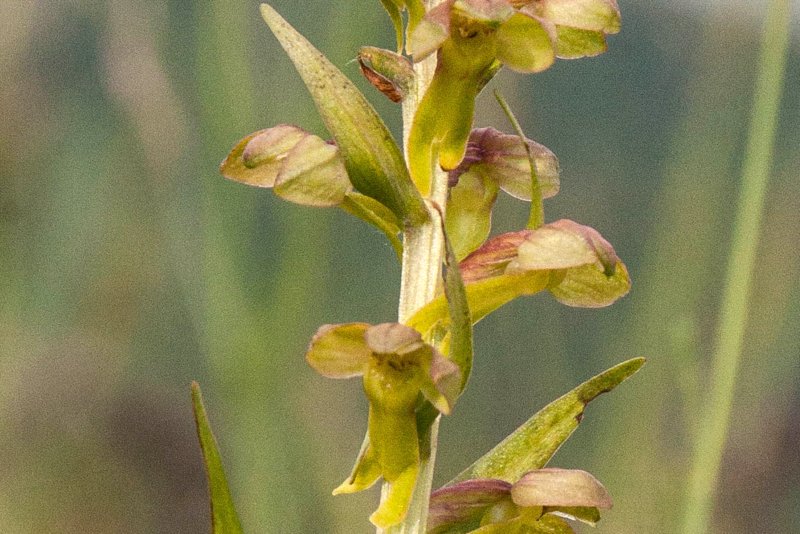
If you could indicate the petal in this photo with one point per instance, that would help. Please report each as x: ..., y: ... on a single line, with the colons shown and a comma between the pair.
x: 393, y: 338
x: 560, y: 487
x: 272, y: 144
x: 313, y: 174
x: 256, y: 159
x: 526, y: 43
x: 339, y: 351
x: 556, y: 246
x: 469, y: 212
x: 565, y: 243
x: 588, y: 286
x: 366, y: 471
x: 576, y: 43
x: 463, y: 503
x: 597, y: 15
x: 443, y: 383
x: 431, y: 32
x: 504, y: 159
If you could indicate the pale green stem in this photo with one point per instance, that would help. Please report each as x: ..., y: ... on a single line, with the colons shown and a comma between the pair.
x: 422, y: 260
x: 715, y: 419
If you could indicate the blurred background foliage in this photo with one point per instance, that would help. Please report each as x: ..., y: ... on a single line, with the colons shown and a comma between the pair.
x: 129, y: 267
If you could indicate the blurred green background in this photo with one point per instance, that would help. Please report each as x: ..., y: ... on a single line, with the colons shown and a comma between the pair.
x: 129, y: 267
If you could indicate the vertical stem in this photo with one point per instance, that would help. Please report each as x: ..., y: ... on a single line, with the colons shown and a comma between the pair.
x: 422, y: 259
x: 713, y: 429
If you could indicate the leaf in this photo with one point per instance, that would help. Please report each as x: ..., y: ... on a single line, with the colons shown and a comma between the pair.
x: 460, y: 317
x: 223, y: 514
x: 373, y: 160
x: 533, y: 444
x: 393, y: 8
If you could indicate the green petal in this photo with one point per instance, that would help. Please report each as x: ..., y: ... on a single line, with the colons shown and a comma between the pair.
x: 365, y: 473
x: 257, y: 159
x: 390, y: 73
x: 223, y: 514
x: 313, y: 174
x: 588, y: 286
x: 484, y: 296
x: 373, y: 160
x: 526, y: 43
x: 469, y: 212
x: 560, y: 487
x: 575, y: 43
x: 533, y: 444
x: 339, y: 351
x: 431, y: 32
x: 597, y: 15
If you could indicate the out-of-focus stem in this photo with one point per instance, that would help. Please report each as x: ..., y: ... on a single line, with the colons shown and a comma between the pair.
x: 715, y: 419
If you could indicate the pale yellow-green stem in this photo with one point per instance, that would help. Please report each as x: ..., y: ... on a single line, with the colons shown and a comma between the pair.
x: 422, y: 259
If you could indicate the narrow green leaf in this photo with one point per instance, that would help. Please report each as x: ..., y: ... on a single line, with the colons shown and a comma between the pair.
x: 533, y: 444
x: 536, y: 217
x: 393, y: 8
x: 223, y: 514
x: 373, y: 160
x: 460, y: 317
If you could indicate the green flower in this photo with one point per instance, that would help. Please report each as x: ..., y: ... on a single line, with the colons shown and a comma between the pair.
x: 396, y: 366
x: 536, y: 503
x: 472, y: 39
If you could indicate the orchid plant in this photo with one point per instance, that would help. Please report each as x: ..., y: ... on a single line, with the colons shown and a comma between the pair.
x: 434, y: 204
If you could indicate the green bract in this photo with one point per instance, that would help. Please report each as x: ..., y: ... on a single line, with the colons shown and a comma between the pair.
x: 372, y: 159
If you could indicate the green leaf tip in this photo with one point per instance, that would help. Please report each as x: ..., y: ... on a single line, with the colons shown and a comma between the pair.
x: 374, y: 162
x: 223, y: 513
x: 533, y: 444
